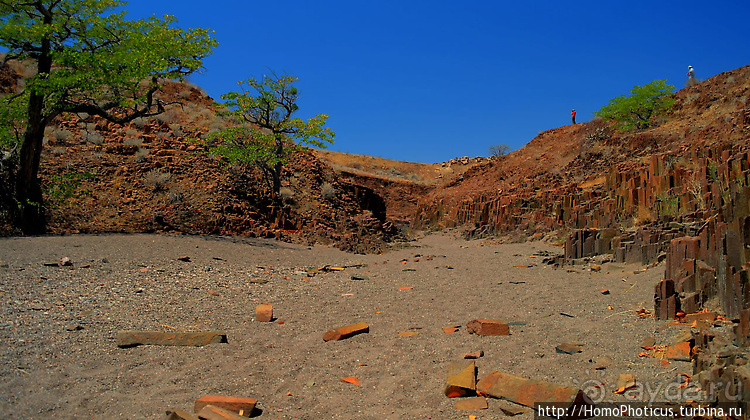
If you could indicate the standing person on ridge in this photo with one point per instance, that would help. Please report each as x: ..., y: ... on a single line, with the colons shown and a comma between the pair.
x: 691, y: 77
x: 573, y: 116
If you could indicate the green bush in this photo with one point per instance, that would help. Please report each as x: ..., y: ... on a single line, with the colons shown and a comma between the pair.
x: 635, y: 111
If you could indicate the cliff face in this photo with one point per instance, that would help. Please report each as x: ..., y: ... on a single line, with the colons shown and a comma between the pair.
x: 590, y: 175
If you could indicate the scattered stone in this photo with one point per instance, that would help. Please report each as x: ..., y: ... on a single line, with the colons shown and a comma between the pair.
x: 603, y: 363
x: 484, y: 327
x: 235, y: 404
x: 679, y: 351
x: 264, y: 312
x: 65, y: 262
x: 177, y: 414
x: 624, y: 382
x: 568, y: 348
x: 526, y: 391
x: 360, y: 277
x: 596, y: 268
x: 475, y: 355
x: 351, y: 380
x: 605, y: 291
x: 408, y: 333
x: 346, y: 332
x: 74, y: 326
x: 211, y: 412
x: 135, y: 338
x: 184, y: 258
x: 450, y: 330
x: 471, y: 403
x: 700, y: 316
x: 462, y: 379
x: 648, y: 343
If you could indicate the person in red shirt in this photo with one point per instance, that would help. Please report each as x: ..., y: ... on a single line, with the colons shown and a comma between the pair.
x: 573, y: 116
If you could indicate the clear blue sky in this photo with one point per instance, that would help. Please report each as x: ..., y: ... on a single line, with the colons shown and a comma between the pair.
x: 429, y: 80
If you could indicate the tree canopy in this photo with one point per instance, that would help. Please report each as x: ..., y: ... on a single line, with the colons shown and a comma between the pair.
x: 270, y: 133
x: 87, y: 58
x: 635, y: 111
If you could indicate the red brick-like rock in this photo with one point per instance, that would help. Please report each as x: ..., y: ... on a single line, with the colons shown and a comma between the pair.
x: 346, y: 332
x: 136, y: 338
x: 679, y: 351
x: 526, y: 391
x: 235, y: 404
x: 462, y: 379
x: 264, y: 312
x: 211, y: 412
x: 487, y: 327
x: 700, y: 316
x: 475, y: 355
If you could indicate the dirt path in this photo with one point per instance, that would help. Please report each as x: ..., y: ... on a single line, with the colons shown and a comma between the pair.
x: 58, y: 325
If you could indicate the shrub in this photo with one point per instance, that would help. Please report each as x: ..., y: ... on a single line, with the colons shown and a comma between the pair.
x: 499, y: 150
x: 635, y: 111
x: 140, y: 154
x: 328, y: 191
x: 92, y: 137
x: 286, y: 193
x: 168, y: 116
x: 174, y: 197
x: 136, y: 141
x: 61, y: 135
x: 176, y: 129
x: 157, y: 179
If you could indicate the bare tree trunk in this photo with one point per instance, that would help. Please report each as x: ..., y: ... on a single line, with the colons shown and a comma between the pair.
x: 28, y: 188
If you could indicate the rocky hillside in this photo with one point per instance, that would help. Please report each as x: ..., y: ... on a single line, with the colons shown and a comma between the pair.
x: 590, y: 175
x: 154, y: 175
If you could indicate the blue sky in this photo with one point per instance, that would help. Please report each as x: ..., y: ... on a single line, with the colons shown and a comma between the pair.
x: 429, y: 80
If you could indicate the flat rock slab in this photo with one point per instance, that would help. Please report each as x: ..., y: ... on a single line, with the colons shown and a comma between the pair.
x: 177, y: 414
x: 346, y: 332
x: 211, y: 412
x: 136, y: 338
x: 568, y: 348
x: 241, y: 405
x: 526, y: 391
x: 472, y: 403
x: 487, y: 327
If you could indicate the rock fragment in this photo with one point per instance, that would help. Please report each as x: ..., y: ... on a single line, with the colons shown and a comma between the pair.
x: 264, y: 312
x: 238, y: 405
x: 526, y: 391
x: 346, y: 332
x: 486, y: 327
x: 471, y: 403
x: 462, y: 379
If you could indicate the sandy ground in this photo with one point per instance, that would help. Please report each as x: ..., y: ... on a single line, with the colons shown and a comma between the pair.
x: 58, y: 325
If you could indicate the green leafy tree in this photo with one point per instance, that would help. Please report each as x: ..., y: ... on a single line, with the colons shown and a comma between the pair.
x: 88, y: 58
x: 270, y: 133
x: 635, y: 111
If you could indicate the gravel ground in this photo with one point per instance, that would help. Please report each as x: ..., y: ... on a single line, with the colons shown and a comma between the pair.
x: 58, y: 325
